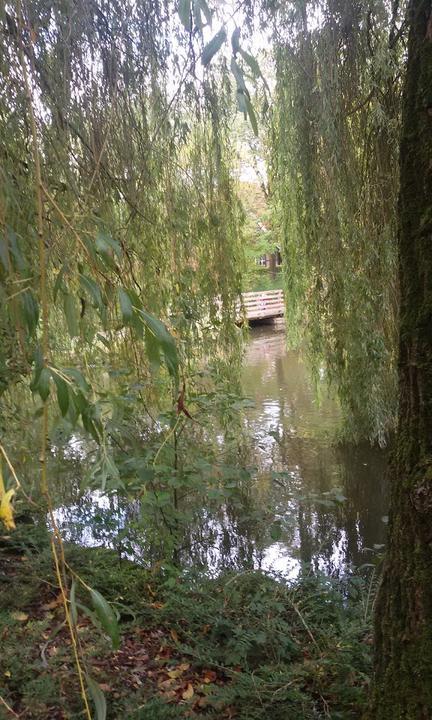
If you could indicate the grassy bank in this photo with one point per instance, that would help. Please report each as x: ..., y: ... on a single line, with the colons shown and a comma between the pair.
x: 240, y: 646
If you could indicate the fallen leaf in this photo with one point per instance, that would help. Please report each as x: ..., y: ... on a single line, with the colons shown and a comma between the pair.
x: 54, y: 603
x: 174, y: 635
x: 202, y: 702
x: 209, y: 676
x: 188, y: 693
x: 20, y: 616
x: 165, y: 684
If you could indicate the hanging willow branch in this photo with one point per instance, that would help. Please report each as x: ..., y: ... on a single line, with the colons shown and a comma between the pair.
x: 335, y: 139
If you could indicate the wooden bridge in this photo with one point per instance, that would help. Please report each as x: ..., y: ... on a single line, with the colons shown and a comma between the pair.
x: 262, y: 306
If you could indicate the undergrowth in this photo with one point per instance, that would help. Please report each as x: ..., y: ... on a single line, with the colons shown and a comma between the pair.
x: 242, y: 645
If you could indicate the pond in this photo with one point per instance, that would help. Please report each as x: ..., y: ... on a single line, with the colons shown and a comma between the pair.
x: 310, y: 502
x: 330, y: 498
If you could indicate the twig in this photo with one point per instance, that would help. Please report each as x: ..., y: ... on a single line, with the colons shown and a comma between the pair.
x: 45, y: 350
x: 8, y: 707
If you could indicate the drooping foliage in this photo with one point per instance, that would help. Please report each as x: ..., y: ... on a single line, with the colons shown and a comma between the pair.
x: 334, y: 154
x: 118, y: 215
x: 119, y: 254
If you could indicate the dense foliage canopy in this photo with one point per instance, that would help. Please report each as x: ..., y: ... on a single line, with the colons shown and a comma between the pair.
x: 334, y: 157
x: 122, y: 263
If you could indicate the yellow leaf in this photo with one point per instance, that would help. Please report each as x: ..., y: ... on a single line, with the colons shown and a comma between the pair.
x: 6, y: 510
x: 188, y: 693
x: 20, y: 616
x: 8, y: 674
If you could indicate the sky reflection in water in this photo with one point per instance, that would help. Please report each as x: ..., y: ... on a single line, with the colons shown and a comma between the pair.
x: 296, y: 515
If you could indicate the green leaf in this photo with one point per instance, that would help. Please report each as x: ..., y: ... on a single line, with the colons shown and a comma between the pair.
x: 105, y: 243
x: 62, y: 393
x: 38, y: 366
x: 30, y: 310
x: 132, y: 301
x: 235, y: 40
x: 126, y: 306
x: 79, y: 378
x: 43, y: 386
x: 58, y: 282
x: 73, y: 605
x: 197, y: 17
x: 252, y: 116
x: 19, y: 261
x: 241, y: 102
x: 250, y: 60
x: 73, y: 411
x: 103, y: 340
x: 276, y: 531
x: 152, y: 349
x: 93, y: 289
x: 81, y: 402
x: 4, y: 253
x: 91, y: 422
x: 213, y: 47
x: 238, y: 74
x: 71, y: 313
x: 166, y: 341
x: 205, y: 10
x: 184, y: 11
x: 98, y: 698
x: 106, y: 616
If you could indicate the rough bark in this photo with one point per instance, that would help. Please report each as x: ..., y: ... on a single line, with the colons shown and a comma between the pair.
x: 402, y: 687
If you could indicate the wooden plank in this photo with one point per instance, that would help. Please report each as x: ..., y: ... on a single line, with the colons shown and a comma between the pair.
x: 265, y: 304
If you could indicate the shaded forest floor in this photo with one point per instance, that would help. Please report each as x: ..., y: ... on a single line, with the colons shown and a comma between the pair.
x: 241, y: 646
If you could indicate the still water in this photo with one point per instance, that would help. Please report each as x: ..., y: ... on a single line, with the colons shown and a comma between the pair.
x: 309, y: 501
x: 329, y: 499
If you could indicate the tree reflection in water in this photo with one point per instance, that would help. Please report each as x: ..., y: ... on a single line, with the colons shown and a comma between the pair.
x: 310, y: 503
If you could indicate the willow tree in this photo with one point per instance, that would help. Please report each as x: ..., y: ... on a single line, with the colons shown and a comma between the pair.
x: 336, y: 121
x: 119, y: 228
x: 115, y: 163
x: 403, y: 629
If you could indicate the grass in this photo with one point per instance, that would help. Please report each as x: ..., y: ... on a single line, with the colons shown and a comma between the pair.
x: 243, y: 646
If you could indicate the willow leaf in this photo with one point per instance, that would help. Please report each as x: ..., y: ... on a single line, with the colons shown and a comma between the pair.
x: 126, y: 306
x: 106, y: 616
x: 62, y: 393
x: 71, y: 313
x: 213, y: 47
x: 98, y: 698
x: 184, y: 12
x: 43, y: 386
x: 251, y: 61
x: 166, y: 341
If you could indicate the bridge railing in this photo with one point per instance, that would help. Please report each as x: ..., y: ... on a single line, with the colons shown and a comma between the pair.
x: 265, y: 304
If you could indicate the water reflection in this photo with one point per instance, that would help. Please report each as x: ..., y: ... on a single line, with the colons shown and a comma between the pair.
x: 310, y: 503
x: 297, y: 424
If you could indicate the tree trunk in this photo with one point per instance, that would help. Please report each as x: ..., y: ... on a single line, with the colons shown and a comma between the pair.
x: 402, y: 687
